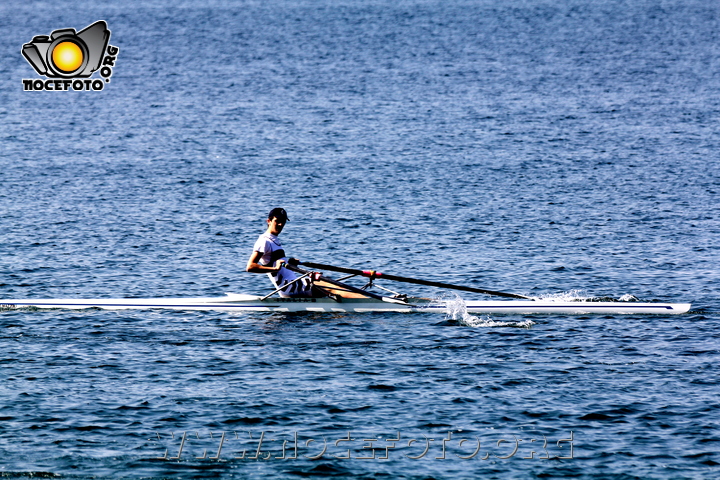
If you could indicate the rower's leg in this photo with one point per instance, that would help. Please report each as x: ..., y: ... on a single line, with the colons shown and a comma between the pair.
x: 319, y: 292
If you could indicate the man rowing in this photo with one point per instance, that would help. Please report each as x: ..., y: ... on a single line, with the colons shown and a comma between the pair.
x: 268, y: 256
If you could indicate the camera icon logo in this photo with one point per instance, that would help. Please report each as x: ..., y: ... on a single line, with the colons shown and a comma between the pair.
x: 66, y: 53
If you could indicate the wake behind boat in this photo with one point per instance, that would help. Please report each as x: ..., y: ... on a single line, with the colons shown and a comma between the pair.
x: 344, y: 298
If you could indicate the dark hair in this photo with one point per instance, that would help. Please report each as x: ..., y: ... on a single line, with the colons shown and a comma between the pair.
x: 278, y: 213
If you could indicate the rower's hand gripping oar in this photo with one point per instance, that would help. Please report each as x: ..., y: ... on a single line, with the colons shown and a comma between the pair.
x: 372, y: 274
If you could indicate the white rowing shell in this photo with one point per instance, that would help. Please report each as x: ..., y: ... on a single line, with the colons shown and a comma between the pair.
x: 234, y: 302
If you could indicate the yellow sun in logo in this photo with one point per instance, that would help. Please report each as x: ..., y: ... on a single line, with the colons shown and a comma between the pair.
x: 67, y: 56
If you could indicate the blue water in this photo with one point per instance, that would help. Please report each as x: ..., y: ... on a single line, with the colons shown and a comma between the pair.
x: 528, y: 146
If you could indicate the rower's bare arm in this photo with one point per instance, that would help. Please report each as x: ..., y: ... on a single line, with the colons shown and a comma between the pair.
x: 254, y: 267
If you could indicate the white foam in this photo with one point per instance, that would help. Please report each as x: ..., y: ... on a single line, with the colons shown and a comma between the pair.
x: 457, y: 310
x: 582, y: 296
x: 629, y: 298
x: 571, y: 296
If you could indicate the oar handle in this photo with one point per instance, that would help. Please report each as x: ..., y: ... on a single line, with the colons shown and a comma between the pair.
x: 374, y: 274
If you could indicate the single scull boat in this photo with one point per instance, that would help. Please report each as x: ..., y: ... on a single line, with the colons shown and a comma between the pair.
x: 233, y: 302
x: 342, y: 297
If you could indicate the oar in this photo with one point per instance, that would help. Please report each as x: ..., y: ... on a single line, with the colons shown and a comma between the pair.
x: 373, y: 274
x: 346, y: 288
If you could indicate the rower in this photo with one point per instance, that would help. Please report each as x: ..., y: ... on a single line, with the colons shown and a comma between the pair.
x: 268, y: 256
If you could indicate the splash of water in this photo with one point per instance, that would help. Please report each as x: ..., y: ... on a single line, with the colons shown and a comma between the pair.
x: 570, y: 296
x: 457, y: 310
x: 583, y: 296
x: 629, y: 298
